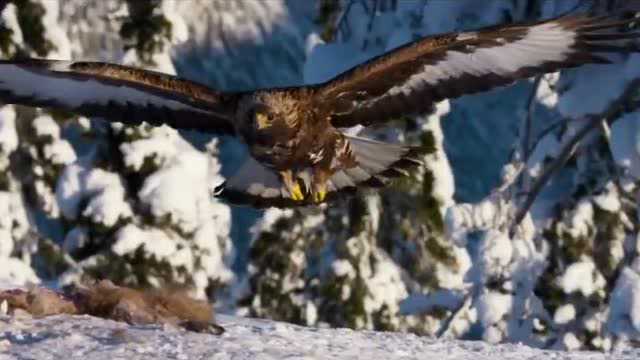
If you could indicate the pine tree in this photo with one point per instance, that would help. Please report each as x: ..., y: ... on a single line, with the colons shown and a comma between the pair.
x: 110, y: 198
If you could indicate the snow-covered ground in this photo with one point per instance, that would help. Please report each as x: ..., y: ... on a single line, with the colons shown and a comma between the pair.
x: 89, y: 338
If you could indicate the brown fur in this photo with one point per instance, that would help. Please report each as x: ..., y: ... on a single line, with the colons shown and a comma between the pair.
x: 106, y: 300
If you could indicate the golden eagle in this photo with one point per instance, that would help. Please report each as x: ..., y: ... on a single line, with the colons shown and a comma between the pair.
x: 299, y: 154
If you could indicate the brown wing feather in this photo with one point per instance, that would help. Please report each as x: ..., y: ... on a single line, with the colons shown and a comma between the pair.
x: 412, y: 78
x: 117, y: 93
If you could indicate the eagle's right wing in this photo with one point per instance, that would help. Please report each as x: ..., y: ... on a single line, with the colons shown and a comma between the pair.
x: 117, y: 93
x: 412, y: 78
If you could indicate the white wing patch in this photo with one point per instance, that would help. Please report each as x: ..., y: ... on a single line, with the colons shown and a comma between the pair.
x: 73, y: 92
x: 374, y: 159
x: 547, y: 42
x: 256, y: 180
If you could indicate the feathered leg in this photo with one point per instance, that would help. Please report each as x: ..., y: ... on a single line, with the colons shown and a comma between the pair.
x: 319, y: 185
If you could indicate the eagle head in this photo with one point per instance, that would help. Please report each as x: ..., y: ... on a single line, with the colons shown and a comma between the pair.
x: 266, y: 133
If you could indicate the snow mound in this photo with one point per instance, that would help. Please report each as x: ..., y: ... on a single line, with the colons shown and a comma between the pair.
x: 92, y: 338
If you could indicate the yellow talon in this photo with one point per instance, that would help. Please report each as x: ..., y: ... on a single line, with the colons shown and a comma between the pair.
x: 319, y: 196
x: 296, y: 193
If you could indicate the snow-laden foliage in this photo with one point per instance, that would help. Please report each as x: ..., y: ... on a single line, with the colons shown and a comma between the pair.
x: 131, y: 204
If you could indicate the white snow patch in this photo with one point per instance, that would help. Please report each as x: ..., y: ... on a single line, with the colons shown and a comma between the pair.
x: 269, y: 218
x: 15, y: 271
x: 14, y: 225
x: 10, y: 21
x: 216, y: 250
x: 107, y: 204
x: 60, y: 152
x: 581, y: 276
x: 609, y: 201
x: 343, y: 268
x: 56, y: 150
x: 564, y: 314
x: 8, y: 134
x: 492, y: 307
x: 454, y: 277
x: 44, y: 125
x: 155, y: 147
x: 571, y: 342
x: 581, y: 219
x: 178, y: 190
x: 546, y: 94
x: 438, y: 163
x: 55, y: 33
x: 103, y: 193
x: 156, y: 242
x: 385, y: 287
x: 495, y: 251
x: 6, y: 243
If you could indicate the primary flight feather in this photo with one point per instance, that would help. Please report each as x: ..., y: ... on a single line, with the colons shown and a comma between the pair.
x: 299, y: 154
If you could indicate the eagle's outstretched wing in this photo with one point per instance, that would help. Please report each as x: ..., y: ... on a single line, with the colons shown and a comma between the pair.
x: 117, y: 93
x: 377, y: 164
x: 412, y: 78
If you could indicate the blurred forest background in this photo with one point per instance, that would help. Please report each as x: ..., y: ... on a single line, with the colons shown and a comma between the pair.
x: 522, y: 227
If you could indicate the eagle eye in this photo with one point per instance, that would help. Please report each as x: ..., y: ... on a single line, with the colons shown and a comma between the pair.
x: 263, y: 120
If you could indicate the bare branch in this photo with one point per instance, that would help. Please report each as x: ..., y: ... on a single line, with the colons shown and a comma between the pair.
x: 617, y: 175
x: 372, y: 18
x: 531, y: 106
x: 525, y: 147
x: 546, y: 131
x: 627, y: 102
x: 464, y: 305
x: 558, y: 163
x: 342, y: 22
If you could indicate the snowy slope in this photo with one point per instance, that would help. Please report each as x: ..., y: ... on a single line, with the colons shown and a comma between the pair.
x: 92, y: 338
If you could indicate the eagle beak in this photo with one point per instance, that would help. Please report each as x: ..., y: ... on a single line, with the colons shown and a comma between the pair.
x: 262, y: 120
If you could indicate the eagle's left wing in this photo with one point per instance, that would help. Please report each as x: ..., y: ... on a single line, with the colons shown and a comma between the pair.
x: 412, y: 78
x: 117, y: 93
